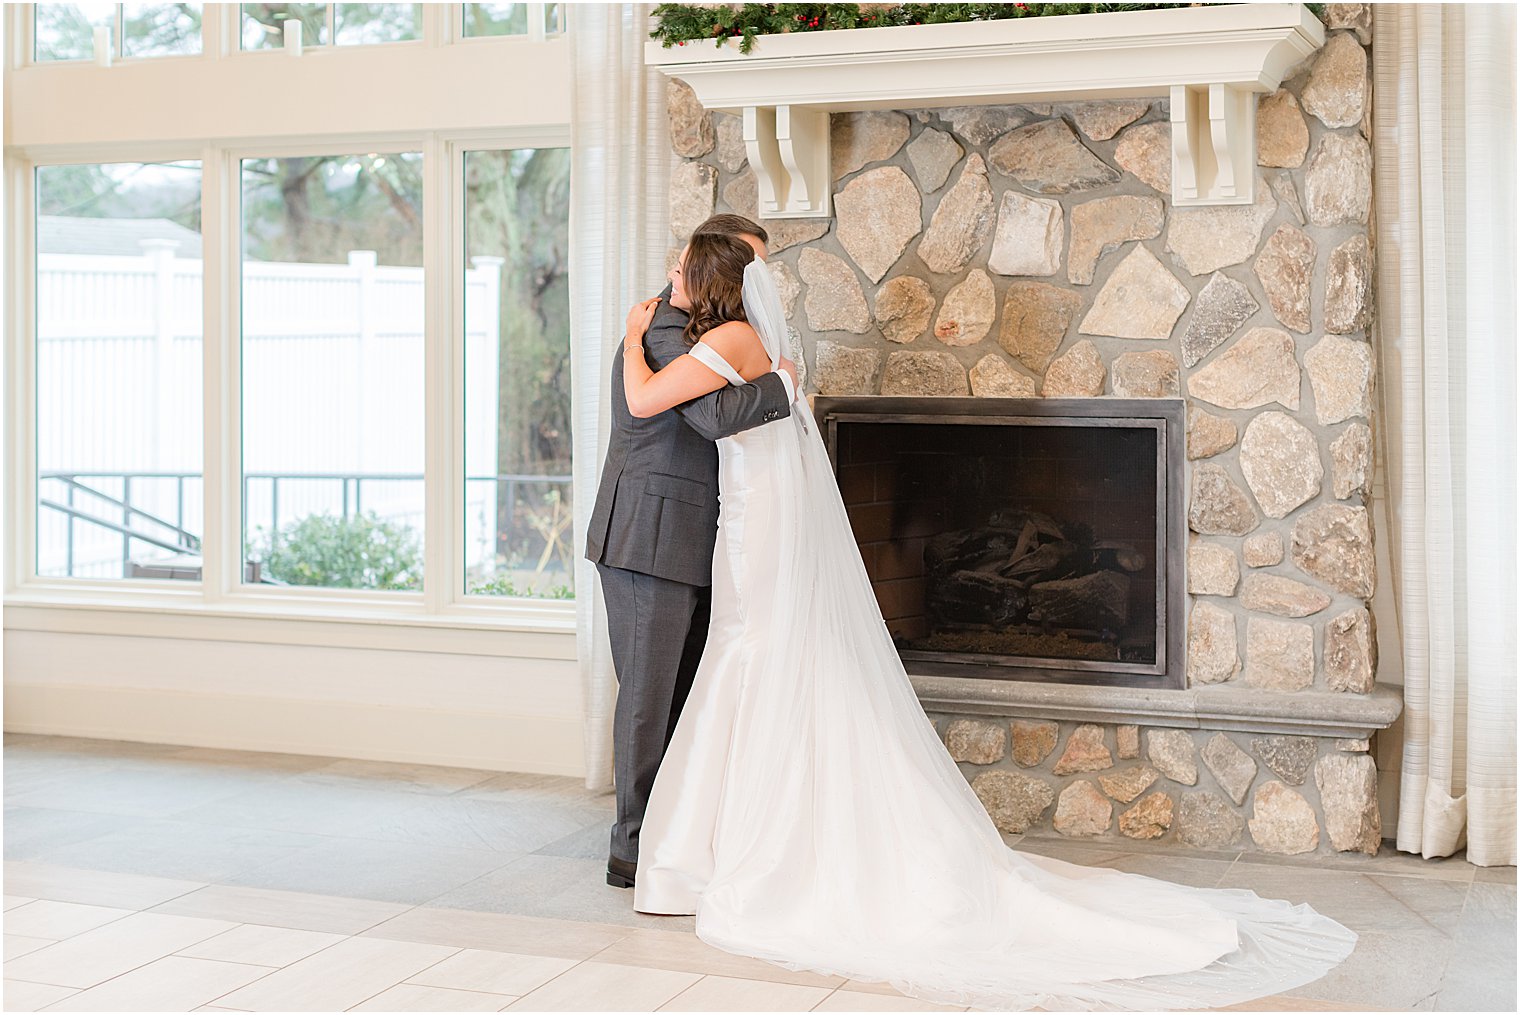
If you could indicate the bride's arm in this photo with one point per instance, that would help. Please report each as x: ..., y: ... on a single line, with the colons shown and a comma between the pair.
x: 682, y: 379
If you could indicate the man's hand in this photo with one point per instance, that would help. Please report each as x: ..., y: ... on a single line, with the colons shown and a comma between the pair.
x: 791, y: 369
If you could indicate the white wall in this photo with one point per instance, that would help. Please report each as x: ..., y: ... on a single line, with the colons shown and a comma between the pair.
x: 481, y: 83
x: 500, y: 712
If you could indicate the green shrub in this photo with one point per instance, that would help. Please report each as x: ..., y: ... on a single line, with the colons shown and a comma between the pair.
x: 676, y: 24
x: 502, y: 585
x: 357, y: 552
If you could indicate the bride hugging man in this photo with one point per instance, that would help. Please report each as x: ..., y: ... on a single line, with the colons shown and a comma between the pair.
x: 776, y: 775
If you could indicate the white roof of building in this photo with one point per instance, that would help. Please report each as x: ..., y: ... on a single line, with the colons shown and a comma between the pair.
x: 69, y: 234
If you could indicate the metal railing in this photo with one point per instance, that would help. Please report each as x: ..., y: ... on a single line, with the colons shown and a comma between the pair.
x: 177, y: 539
x: 118, y: 514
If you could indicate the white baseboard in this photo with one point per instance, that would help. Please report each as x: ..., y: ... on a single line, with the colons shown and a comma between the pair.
x: 339, y: 729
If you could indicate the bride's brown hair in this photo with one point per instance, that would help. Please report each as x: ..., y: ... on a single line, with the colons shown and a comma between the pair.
x: 713, y: 277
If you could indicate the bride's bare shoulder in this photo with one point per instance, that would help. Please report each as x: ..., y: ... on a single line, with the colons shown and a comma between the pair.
x: 733, y: 336
x: 731, y: 331
x: 739, y: 343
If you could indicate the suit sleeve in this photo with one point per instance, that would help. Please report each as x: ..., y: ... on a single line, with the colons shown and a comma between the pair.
x: 732, y: 408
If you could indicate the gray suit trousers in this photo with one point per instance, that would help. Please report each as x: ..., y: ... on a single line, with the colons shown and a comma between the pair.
x: 658, y: 628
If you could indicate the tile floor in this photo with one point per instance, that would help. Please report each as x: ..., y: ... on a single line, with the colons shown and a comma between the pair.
x: 163, y: 878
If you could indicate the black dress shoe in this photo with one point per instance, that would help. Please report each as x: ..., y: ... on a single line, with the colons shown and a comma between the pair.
x: 620, y: 873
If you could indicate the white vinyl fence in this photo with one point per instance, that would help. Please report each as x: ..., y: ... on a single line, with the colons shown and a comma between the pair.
x: 332, y: 415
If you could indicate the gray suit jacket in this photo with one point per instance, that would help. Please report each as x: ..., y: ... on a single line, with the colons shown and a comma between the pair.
x: 656, y: 508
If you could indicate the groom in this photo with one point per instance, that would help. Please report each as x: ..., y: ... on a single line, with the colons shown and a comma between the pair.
x: 651, y: 535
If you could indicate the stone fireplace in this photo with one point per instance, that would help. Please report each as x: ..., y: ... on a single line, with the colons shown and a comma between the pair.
x: 988, y: 268
x: 1020, y: 539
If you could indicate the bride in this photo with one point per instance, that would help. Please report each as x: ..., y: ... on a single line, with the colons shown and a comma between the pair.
x: 806, y: 811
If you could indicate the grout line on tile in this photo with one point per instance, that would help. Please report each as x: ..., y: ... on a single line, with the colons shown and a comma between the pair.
x: 70, y: 902
x: 683, y: 990
x: 556, y: 976
x: 46, y: 983
x: 825, y: 997
x: 268, y: 970
x: 449, y: 891
x: 271, y: 969
x: 398, y: 983
x: 1466, y: 893
x: 1441, y: 980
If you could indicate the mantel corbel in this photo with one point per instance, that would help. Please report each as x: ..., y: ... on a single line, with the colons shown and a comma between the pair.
x: 1211, y: 63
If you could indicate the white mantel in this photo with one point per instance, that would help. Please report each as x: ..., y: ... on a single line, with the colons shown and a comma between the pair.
x: 1210, y: 62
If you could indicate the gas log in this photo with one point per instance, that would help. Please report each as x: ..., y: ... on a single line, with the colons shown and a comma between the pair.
x: 1024, y: 567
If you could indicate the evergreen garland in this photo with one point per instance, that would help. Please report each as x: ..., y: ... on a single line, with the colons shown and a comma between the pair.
x: 680, y: 23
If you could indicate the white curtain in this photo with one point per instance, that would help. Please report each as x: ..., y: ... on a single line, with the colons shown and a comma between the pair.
x: 619, y: 233
x: 1444, y: 132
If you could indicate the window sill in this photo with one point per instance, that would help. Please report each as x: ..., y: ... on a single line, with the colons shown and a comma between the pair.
x: 519, y: 628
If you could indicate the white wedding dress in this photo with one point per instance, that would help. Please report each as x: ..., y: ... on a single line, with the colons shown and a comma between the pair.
x: 807, y: 813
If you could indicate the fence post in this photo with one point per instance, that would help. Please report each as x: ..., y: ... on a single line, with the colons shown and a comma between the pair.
x: 160, y: 256
x: 68, y: 552
x: 363, y: 262
x: 126, y: 521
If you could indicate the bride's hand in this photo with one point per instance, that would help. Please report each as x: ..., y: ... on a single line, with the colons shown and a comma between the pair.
x: 791, y: 368
x: 639, y: 318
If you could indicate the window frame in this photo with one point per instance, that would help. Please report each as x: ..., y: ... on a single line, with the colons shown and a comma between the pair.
x: 427, y: 29
x: 184, y: 608
x: 222, y: 35
x: 24, y: 30
x: 537, y: 31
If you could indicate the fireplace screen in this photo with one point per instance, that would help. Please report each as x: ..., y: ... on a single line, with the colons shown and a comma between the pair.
x: 1018, y: 538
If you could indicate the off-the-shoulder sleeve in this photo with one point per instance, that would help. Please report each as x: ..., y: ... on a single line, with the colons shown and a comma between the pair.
x: 714, y: 361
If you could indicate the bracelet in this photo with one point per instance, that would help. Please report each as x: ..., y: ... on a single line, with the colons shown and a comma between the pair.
x: 632, y: 348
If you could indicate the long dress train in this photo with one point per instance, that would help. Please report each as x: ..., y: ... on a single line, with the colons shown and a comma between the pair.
x: 808, y: 814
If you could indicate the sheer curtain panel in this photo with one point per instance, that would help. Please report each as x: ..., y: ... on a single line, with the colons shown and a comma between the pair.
x: 1444, y: 130
x: 619, y: 234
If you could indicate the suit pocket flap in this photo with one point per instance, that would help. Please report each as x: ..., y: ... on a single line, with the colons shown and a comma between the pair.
x: 677, y: 488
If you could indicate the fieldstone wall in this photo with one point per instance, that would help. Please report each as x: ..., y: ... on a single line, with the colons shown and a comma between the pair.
x: 1032, y: 251
x: 1198, y: 788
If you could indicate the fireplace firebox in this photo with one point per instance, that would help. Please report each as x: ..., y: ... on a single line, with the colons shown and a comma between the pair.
x: 1037, y: 539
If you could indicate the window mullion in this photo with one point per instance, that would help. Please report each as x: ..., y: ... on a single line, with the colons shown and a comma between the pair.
x: 20, y: 30
x: 221, y: 540
x: 442, y: 215
x: 21, y: 374
x: 214, y: 29
x: 435, y: 23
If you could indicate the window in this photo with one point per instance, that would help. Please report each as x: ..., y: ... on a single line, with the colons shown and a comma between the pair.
x: 518, y: 519
x: 118, y: 397
x: 332, y: 370
x: 66, y: 31
x: 332, y: 337
x: 512, y: 19
x: 324, y: 24
x: 363, y: 24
